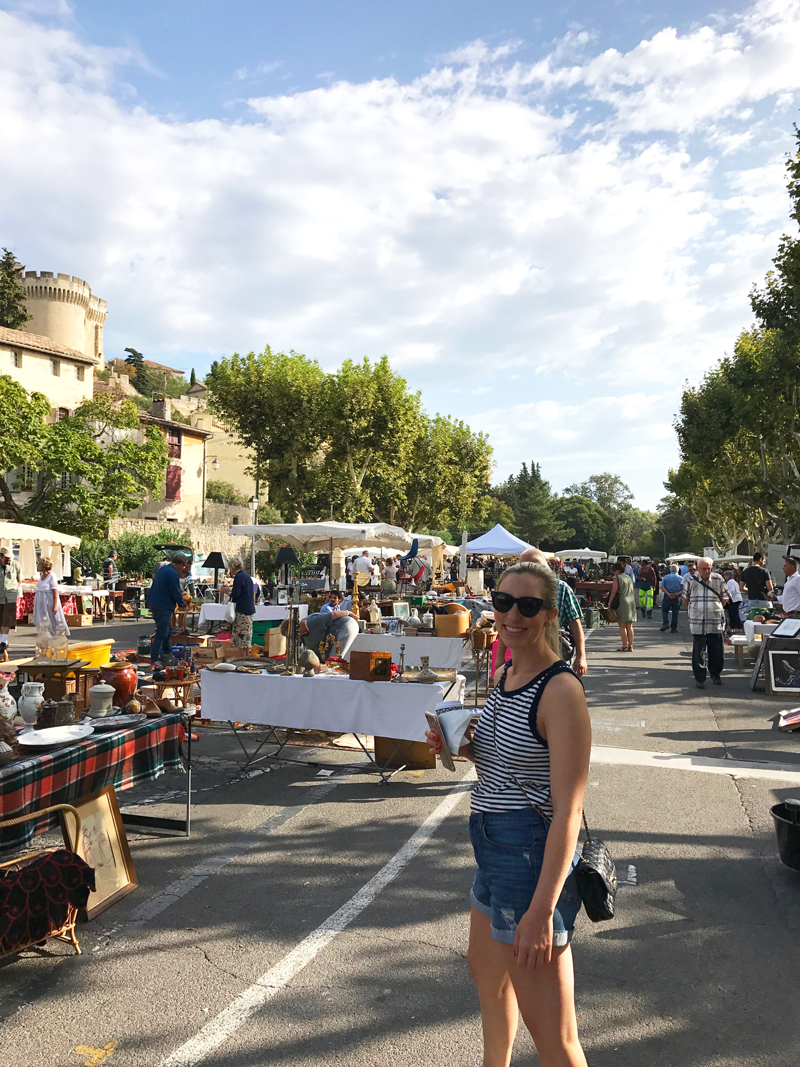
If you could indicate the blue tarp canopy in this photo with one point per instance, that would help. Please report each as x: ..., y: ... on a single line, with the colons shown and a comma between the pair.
x: 497, y: 542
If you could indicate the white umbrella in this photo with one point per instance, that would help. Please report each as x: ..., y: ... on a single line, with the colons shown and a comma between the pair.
x: 579, y: 553
x: 325, y: 536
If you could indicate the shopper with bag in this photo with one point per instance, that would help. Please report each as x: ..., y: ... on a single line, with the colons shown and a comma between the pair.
x: 531, y: 751
x: 622, y: 600
x: 705, y: 595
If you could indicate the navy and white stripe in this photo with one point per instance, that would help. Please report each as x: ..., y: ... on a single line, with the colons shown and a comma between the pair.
x: 517, y: 750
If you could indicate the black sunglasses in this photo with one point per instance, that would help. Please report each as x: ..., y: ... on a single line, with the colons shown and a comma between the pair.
x: 528, y: 605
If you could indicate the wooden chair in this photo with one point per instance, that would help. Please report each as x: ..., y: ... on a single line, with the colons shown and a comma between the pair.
x: 66, y: 931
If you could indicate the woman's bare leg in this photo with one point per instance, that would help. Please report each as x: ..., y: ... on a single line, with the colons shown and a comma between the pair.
x: 488, y: 964
x: 623, y: 635
x: 629, y: 628
x: 546, y: 999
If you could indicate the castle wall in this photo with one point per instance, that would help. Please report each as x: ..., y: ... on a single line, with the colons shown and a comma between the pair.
x: 64, y: 309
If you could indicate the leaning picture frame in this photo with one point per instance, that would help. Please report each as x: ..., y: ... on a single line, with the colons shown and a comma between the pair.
x: 401, y: 610
x: 784, y: 670
x: 104, y: 846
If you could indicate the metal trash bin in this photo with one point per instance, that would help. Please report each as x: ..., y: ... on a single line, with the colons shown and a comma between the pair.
x: 787, y: 829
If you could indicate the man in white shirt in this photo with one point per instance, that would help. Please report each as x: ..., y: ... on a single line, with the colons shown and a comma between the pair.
x: 790, y: 601
x: 734, y: 605
x: 363, y: 564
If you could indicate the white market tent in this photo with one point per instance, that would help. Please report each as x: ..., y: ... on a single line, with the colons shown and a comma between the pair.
x: 497, y: 542
x: 52, y: 544
x: 682, y: 557
x: 579, y: 553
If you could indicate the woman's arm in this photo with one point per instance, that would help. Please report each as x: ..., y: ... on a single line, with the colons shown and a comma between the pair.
x: 563, y: 721
x: 614, y: 590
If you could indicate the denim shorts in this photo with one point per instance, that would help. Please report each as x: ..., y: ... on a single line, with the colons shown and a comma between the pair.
x: 509, y: 850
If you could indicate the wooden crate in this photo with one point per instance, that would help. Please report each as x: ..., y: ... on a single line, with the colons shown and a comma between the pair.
x: 368, y: 666
x: 78, y: 620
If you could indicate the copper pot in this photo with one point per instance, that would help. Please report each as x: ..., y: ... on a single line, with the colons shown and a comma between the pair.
x: 122, y: 678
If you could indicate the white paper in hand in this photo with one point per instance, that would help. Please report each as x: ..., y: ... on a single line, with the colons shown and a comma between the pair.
x: 454, y: 719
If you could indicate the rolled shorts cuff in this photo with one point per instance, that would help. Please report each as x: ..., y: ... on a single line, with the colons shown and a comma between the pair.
x: 506, y: 937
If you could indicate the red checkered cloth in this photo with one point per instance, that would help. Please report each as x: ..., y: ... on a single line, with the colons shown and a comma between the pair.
x: 122, y: 759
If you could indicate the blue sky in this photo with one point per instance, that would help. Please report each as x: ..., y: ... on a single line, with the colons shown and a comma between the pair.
x: 548, y: 216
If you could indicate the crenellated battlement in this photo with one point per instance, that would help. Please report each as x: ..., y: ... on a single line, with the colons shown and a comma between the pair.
x: 45, y: 285
x: 63, y: 308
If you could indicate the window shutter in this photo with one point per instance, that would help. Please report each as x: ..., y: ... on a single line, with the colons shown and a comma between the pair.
x: 173, y: 491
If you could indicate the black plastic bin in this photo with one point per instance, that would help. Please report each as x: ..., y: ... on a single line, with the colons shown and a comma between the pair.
x: 787, y: 830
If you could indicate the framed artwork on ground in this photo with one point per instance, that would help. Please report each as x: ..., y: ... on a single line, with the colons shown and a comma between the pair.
x: 104, y: 846
x: 784, y: 670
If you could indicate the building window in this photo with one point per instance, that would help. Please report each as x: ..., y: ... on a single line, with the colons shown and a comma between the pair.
x: 173, y: 489
x: 26, y: 480
x: 174, y: 444
x: 80, y: 373
x: 55, y: 367
x: 16, y: 359
x: 63, y: 413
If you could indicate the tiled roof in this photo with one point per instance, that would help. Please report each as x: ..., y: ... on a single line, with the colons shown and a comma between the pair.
x: 170, y: 425
x: 38, y: 343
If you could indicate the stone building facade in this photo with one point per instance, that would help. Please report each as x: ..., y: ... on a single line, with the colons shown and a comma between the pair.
x: 64, y: 375
x: 65, y: 310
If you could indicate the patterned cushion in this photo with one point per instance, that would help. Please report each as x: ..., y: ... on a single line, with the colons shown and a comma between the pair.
x: 35, y: 901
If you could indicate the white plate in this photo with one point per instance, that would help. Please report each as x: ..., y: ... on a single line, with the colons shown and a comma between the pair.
x: 109, y: 723
x: 56, y: 735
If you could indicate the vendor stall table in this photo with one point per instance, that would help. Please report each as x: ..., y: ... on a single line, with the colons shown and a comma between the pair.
x: 124, y: 758
x: 594, y: 591
x: 264, y: 612
x: 443, y: 652
x: 331, y: 703
x: 753, y: 628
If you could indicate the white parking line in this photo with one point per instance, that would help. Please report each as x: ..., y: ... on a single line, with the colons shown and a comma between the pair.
x: 276, y: 978
x: 673, y: 761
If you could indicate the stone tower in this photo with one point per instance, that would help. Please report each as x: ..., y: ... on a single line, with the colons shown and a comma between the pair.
x: 64, y: 310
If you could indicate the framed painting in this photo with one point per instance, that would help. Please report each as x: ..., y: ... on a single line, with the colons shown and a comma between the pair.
x: 104, y: 846
x: 784, y: 670
x: 401, y: 609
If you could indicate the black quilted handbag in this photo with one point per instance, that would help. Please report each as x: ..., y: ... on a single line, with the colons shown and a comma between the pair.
x: 596, y: 878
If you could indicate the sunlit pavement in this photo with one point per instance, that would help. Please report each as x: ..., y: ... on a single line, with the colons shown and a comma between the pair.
x: 276, y: 955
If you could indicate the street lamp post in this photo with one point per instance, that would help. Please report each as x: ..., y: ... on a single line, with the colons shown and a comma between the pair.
x: 253, y: 502
x: 659, y: 530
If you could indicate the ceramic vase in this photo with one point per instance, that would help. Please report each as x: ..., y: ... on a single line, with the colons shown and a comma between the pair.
x: 122, y: 677
x: 101, y: 696
x: 8, y: 705
x: 30, y: 703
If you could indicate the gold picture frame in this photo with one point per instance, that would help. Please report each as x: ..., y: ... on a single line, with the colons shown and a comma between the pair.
x: 104, y: 846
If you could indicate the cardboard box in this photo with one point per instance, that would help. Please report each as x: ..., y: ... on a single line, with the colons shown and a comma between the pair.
x: 368, y: 666
x: 78, y: 620
x: 451, y: 625
x: 277, y: 643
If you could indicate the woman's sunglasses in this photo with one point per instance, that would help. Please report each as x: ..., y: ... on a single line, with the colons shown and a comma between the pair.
x: 527, y: 605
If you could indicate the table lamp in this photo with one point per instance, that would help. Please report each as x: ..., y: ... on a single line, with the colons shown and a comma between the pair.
x: 216, y: 561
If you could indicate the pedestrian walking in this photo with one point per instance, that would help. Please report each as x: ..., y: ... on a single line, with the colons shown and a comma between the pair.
x: 645, y: 583
x: 531, y: 751
x: 47, y: 606
x: 9, y: 593
x: 626, y: 607
x: 705, y: 595
x: 671, y: 590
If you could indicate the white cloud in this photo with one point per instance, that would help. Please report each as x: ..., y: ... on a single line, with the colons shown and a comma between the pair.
x: 467, y: 224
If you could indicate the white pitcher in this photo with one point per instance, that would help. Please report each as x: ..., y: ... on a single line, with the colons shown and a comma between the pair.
x: 30, y: 703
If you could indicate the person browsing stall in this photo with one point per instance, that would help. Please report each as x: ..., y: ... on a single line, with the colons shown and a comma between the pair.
x: 671, y: 591
x: 243, y: 600
x: 531, y: 751
x: 164, y: 596
x: 9, y: 594
x: 755, y: 580
x: 733, y: 607
x: 790, y: 601
x: 315, y: 630
x: 332, y: 603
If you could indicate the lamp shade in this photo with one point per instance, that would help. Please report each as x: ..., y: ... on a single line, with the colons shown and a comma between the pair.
x: 286, y: 555
x: 216, y: 561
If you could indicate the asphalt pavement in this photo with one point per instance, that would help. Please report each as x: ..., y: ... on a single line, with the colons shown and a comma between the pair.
x: 322, y: 920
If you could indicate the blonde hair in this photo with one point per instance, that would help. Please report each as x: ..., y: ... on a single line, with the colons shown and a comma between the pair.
x: 550, y: 582
x: 46, y: 563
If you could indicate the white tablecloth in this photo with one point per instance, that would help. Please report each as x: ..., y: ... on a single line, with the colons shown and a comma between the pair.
x: 264, y: 612
x: 442, y: 651
x: 326, y: 702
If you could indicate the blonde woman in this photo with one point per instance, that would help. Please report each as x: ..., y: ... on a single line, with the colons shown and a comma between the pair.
x: 626, y: 608
x: 531, y: 751
x: 46, y: 602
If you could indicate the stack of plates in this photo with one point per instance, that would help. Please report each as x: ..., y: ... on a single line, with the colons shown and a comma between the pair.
x: 55, y: 736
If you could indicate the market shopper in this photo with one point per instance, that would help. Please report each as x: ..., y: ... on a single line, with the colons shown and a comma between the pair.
x: 734, y: 605
x: 243, y: 601
x: 790, y: 600
x: 756, y: 581
x: 531, y: 751
x: 705, y: 595
x: 317, y: 630
x: 671, y: 592
x: 570, y: 616
x: 164, y: 596
x: 47, y: 606
x: 9, y: 594
x: 626, y: 608
x: 645, y: 583
x: 332, y: 603
x: 110, y: 572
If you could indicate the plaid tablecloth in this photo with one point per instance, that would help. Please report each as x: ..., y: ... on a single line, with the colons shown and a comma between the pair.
x: 122, y: 759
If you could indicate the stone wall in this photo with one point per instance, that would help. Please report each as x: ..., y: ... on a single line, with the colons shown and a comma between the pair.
x: 205, y: 537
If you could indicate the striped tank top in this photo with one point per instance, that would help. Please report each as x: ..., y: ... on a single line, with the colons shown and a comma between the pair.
x: 506, y: 747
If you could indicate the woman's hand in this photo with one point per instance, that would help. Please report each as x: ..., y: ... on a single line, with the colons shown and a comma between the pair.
x: 433, y: 742
x: 533, y: 941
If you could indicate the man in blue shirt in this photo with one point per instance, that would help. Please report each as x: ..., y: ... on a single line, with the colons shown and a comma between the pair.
x: 332, y: 603
x: 164, y: 597
x: 671, y: 586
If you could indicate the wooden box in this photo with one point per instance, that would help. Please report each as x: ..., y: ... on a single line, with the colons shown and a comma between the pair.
x: 275, y: 642
x: 368, y: 666
x: 451, y: 625
x: 78, y: 620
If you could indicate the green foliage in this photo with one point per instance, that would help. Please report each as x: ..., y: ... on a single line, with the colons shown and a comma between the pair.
x: 268, y: 515
x: 495, y: 511
x: 192, y: 378
x: 142, y: 380
x: 178, y: 416
x: 174, y: 388
x: 103, y: 375
x: 92, y: 552
x: 607, y: 490
x: 89, y: 467
x: 223, y: 492
x: 535, y: 514
x: 356, y: 441
x: 137, y: 553
x: 13, y: 311
x: 592, y: 526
